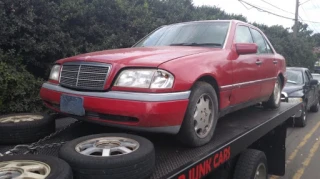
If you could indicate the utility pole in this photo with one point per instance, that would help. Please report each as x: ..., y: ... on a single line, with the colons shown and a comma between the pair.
x: 296, y: 21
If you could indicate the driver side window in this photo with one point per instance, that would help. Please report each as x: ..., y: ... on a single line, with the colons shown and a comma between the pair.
x: 306, y: 77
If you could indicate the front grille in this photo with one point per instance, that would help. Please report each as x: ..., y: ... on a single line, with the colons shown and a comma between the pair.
x: 90, y: 76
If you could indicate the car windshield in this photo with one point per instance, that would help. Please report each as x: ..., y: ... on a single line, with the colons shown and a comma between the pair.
x: 210, y: 34
x: 294, y: 77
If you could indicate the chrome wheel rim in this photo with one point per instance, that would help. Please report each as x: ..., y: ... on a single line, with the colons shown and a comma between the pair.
x: 277, y: 92
x: 20, y: 118
x: 24, y: 169
x: 261, y: 172
x: 107, y: 146
x: 203, y: 116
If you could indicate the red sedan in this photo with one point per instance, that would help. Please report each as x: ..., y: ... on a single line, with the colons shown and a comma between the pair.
x: 179, y: 79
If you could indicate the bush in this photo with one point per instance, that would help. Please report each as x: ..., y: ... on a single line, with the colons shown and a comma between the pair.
x: 19, y: 90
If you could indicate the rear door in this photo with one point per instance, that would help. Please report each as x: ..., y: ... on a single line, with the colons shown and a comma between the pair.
x: 268, y: 67
x: 245, y: 70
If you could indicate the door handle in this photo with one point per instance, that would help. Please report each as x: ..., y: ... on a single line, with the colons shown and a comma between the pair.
x: 275, y: 62
x: 258, y: 62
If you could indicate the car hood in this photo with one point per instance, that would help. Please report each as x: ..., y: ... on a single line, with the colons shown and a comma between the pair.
x: 290, y: 88
x: 141, y: 56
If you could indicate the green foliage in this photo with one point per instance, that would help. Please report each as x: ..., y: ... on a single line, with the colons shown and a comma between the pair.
x: 19, y: 90
x: 36, y: 33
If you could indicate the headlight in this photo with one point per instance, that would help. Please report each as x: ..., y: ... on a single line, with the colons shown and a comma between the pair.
x: 55, y: 72
x: 294, y: 100
x: 145, y: 78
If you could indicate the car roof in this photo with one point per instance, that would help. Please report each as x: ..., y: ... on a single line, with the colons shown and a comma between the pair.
x: 297, y: 68
x: 232, y: 21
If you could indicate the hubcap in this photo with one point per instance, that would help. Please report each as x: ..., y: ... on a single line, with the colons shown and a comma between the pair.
x: 261, y: 172
x: 203, y: 116
x: 24, y: 170
x: 20, y: 118
x: 107, y: 146
x: 277, y: 92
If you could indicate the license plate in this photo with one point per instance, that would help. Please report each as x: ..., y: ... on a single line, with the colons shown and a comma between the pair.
x: 72, y: 105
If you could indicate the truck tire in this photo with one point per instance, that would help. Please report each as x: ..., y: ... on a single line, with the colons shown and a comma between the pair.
x: 315, y: 107
x: 34, y: 166
x: 251, y: 164
x: 201, y: 116
x: 112, y: 156
x: 25, y: 127
x: 275, y: 98
x: 302, y: 120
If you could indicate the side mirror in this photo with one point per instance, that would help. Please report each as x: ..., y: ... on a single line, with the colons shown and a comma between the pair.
x: 246, y: 48
x: 314, y: 82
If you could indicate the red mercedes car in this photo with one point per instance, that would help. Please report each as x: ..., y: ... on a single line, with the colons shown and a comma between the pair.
x: 179, y: 79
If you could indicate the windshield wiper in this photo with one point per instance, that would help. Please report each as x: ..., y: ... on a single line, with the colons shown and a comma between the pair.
x: 196, y: 44
x: 289, y: 81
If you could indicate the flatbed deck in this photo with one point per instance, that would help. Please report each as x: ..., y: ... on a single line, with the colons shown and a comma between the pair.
x: 234, y: 133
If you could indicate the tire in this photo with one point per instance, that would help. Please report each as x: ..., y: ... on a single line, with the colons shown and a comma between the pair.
x: 248, y: 164
x: 275, y: 98
x: 315, y: 107
x: 21, y: 132
x: 52, y: 167
x: 138, y: 164
x: 302, y: 120
x: 188, y: 134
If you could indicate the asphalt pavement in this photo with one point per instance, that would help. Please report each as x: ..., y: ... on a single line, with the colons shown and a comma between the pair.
x: 303, y: 150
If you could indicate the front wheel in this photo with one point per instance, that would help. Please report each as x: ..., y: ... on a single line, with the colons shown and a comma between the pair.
x: 275, y: 98
x: 201, y: 116
x: 302, y: 120
x: 315, y: 107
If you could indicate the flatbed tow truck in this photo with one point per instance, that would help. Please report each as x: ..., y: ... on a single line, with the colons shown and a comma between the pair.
x: 250, y: 128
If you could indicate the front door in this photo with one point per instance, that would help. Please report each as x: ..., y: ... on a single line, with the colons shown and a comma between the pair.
x: 310, y: 90
x: 246, y: 71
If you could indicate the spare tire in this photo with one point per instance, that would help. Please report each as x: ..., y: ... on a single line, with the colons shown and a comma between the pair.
x: 25, y: 127
x: 112, y: 156
x: 34, y: 166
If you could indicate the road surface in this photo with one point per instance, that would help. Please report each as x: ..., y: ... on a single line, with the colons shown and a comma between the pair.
x: 303, y: 150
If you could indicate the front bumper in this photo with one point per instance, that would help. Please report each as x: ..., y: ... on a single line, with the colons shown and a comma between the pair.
x: 154, y: 112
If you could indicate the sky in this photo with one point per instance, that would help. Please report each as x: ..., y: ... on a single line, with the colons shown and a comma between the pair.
x: 309, y: 10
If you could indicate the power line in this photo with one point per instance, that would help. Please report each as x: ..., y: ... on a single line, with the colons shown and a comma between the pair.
x: 314, y: 28
x: 276, y: 7
x: 304, y: 2
x: 266, y: 10
x: 285, y: 17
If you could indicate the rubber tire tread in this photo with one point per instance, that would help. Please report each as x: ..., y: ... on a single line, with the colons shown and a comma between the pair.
x: 187, y: 135
x: 248, y: 162
x: 270, y: 104
x: 136, y: 165
x: 59, y: 168
x: 299, y: 122
x: 315, y: 107
x: 28, y: 131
